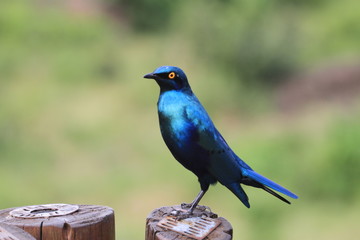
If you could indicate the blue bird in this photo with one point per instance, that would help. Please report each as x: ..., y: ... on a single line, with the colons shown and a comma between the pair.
x: 195, y: 142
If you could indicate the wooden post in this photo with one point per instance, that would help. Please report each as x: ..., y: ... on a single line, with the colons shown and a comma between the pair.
x: 154, y: 232
x: 62, y: 221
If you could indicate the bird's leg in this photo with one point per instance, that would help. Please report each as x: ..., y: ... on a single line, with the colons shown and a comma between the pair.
x: 191, y: 206
x: 190, y: 213
x: 196, y: 201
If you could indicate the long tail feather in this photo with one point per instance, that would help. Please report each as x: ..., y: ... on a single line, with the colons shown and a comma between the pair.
x: 267, y: 182
x: 275, y: 194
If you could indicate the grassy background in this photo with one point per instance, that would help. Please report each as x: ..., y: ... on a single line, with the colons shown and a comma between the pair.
x: 78, y: 124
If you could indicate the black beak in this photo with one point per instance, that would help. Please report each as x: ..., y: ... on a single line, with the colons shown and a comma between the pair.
x: 150, y: 76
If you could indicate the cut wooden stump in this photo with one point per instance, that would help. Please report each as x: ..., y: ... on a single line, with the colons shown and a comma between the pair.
x: 62, y: 221
x: 155, y: 232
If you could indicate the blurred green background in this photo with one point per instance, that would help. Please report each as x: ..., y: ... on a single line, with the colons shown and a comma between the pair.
x: 281, y: 80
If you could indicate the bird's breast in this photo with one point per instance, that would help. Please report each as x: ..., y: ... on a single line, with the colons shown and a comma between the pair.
x: 175, y: 126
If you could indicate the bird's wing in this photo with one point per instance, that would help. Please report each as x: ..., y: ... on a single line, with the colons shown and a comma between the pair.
x: 208, y: 136
x: 224, y: 164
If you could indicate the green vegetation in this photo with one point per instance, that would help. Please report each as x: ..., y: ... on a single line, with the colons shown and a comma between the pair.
x: 78, y: 124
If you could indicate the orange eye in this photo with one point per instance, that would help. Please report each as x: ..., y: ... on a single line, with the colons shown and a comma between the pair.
x: 172, y: 75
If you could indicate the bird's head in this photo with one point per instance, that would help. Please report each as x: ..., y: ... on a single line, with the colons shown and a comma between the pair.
x: 169, y: 78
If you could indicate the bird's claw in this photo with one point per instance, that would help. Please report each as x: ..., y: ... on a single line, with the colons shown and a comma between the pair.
x: 199, y: 207
x: 181, y: 215
x: 199, y: 211
x: 185, y: 205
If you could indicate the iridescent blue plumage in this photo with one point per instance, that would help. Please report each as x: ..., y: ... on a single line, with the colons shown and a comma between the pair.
x: 195, y: 142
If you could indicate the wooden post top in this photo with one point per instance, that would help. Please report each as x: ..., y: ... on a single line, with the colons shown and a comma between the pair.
x: 155, y: 230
